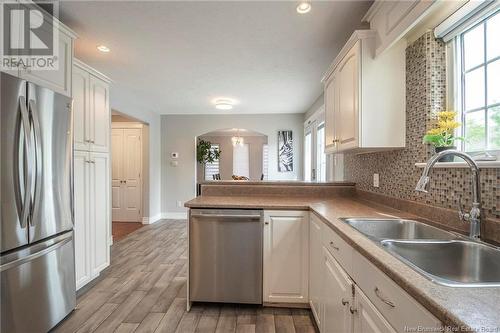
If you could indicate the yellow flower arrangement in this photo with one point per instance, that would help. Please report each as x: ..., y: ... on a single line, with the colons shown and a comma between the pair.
x: 443, y: 135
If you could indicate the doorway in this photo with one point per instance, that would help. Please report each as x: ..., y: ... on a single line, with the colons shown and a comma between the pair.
x: 128, y: 163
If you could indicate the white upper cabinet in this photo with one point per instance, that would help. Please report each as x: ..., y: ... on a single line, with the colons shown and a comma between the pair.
x: 393, y: 19
x: 365, y: 97
x: 58, y: 80
x: 92, y: 115
x: 286, y: 255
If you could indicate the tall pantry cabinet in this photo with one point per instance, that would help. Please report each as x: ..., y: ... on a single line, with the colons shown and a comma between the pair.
x: 92, y: 123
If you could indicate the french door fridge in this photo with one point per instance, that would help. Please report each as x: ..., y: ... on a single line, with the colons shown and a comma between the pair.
x: 37, y: 252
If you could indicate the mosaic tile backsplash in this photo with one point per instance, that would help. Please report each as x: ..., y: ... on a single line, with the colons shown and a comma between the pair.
x: 425, y: 96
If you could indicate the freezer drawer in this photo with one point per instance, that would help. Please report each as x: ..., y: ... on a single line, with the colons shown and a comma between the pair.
x: 225, y: 256
x: 38, y: 286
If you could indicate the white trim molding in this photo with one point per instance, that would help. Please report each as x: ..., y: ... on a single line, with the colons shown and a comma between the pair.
x: 175, y: 215
x: 151, y: 219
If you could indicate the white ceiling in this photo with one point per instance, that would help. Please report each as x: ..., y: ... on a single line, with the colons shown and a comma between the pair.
x: 176, y: 57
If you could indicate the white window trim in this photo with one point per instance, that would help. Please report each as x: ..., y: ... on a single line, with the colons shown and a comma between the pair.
x: 454, y: 78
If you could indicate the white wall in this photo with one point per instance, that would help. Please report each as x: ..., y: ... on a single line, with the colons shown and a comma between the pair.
x: 130, y: 108
x: 179, y: 133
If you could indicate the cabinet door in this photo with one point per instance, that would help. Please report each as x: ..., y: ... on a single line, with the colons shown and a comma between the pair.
x: 59, y: 79
x: 367, y: 319
x: 81, y: 216
x: 81, y: 116
x: 315, y: 268
x: 100, y: 120
x: 347, y: 84
x: 100, y: 211
x: 337, y: 297
x: 286, y: 255
x: 330, y: 100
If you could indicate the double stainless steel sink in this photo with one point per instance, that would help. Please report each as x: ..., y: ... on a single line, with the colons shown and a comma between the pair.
x: 443, y: 257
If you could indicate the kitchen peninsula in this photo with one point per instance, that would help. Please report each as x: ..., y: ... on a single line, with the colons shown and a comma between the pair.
x: 312, y: 258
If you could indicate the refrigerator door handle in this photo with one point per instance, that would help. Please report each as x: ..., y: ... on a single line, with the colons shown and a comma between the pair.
x: 23, y: 204
x: 35, y: 255
x: 38, y: 156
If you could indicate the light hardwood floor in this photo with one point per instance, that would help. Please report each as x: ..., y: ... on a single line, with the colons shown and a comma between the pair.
x: 144, y: 290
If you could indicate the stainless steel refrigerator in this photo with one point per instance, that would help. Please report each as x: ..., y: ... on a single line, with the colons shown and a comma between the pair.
x: 37, y: 251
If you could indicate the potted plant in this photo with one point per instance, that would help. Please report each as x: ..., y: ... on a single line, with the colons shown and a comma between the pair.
x: 206, y: 154
x: 442, y: 136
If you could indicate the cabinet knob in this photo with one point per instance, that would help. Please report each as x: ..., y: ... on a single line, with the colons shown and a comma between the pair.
x: 266, y: 223
x: 335, y: 140
x: 332, y: 244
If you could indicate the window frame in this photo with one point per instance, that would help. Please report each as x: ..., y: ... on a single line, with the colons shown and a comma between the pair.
x: 212, y: 146
x: 456, y: 79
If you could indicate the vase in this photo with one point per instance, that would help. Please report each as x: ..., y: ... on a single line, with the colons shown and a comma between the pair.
x: 448, y: 158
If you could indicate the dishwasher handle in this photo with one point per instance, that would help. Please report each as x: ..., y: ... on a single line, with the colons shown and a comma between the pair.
x: 228, y: 216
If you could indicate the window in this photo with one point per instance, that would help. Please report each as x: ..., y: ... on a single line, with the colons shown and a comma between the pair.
x: 212, y: 169
x: 308, y: 156
x: 321, y: 156
x: 478, y: 73
x: 265, y: 162
x: 241, y: 160
x: 315, y: 161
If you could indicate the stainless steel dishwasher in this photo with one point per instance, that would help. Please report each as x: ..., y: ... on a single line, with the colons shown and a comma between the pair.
x: 225, y: 255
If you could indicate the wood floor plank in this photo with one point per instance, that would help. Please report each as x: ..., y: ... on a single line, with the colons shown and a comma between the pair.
x: 168, y: 296
x: 189, y: 322
x: 150, y: 323
x: 245, y: 328
x: 284, y: 324
x: 121, y: 312
x: 207, y: 323
x: 226, y: 324
x: 170, y: 320
x: 126, y: 328
x: 97, y: 318
x: 265, y: 323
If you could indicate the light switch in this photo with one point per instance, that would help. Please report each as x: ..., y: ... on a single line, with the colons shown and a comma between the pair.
x: 376, y: 180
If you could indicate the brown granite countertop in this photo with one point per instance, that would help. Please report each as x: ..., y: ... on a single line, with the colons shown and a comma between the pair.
x: 275, y: 182
x: 477, y: 308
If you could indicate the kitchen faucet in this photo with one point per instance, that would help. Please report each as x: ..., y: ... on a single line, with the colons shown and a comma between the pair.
x: 474, y: 216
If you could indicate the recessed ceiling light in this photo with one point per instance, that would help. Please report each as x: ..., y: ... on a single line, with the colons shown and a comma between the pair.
x: 304, y: 7
x: 224, y: 104
x: 103, y: 48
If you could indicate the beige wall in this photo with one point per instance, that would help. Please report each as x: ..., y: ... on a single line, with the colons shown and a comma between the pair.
x: 255, y: 144
x: 179, y: 133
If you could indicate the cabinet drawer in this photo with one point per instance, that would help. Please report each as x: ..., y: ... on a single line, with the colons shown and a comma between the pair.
x: 340, y: 250
x: 400, y: 309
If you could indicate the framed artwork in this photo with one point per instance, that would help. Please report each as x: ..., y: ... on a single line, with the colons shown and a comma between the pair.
x: 285, y: 151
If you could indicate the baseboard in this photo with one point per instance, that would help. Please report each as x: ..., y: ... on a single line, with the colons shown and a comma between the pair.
x: 151, y: 219
x: 175, y: 215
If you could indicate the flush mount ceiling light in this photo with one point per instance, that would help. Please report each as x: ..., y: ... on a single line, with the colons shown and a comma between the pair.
x: 224, y: 104
x: 304, y: 7
x: 103, y: 48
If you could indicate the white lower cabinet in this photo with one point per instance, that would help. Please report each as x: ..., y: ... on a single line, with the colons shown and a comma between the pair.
x: 366, y: 318
x: 92, y: 215
x: 286, y: 257
x: 349, y: 294
x: 315, y: 268
x: 337, y: 297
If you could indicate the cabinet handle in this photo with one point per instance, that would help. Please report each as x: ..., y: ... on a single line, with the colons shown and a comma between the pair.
x: 344, y: 302
x: 352, y: 310
x: 266, y: 223
x: 332, y: 244
x: 335, y: 140
x: 383, y: 299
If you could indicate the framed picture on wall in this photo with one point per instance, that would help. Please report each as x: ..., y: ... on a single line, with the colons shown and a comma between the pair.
x: 285, y: 151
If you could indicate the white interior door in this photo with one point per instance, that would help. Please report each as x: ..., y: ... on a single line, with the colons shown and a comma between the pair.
x: 117, y: 174
x: 126, y: 174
